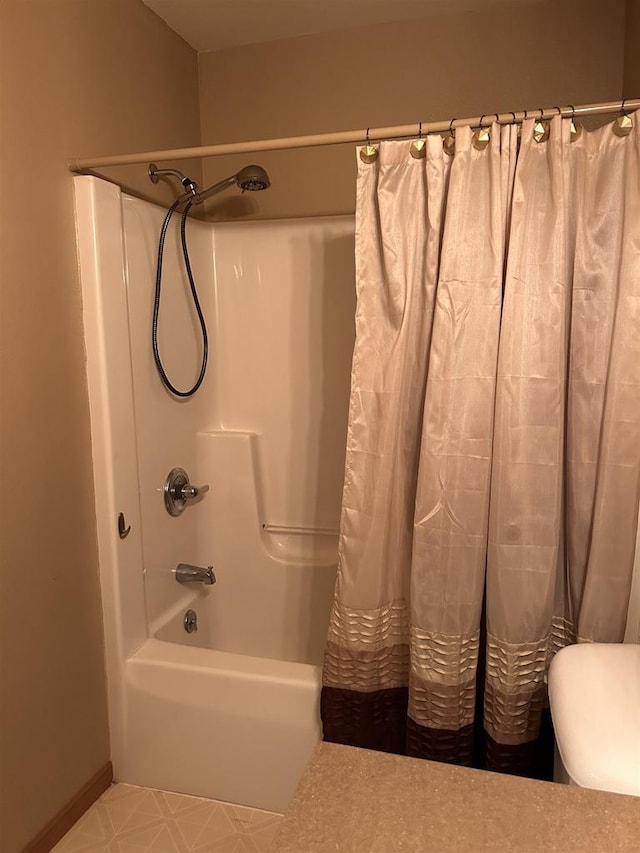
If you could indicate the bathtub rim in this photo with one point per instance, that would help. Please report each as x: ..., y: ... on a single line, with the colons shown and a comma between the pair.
x: 229, y: 664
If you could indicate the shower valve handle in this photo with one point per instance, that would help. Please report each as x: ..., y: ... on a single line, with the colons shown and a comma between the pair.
x: 189, y: 492
x: 179, y: 492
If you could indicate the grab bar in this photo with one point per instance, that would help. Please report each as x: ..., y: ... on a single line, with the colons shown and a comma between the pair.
x: 300, y: 531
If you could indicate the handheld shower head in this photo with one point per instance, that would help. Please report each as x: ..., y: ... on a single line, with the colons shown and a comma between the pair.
x: 253, y: 179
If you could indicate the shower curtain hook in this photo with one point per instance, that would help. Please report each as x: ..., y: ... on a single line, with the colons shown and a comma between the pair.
x: 369, y: 152
x: 575, y: 130
x: 514, y: 120
x: 541, y: 128
x: 418, y: 148
x: 449, y: 144
x: 481, y: 137
x: 623, y: 125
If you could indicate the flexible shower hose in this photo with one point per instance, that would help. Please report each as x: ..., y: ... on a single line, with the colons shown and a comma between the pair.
x: 196, y: 303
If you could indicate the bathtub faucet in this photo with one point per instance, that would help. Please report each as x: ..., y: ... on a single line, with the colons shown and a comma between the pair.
x: 195, y: 574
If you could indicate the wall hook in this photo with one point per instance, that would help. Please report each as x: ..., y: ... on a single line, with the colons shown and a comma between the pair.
x: 123, y: 530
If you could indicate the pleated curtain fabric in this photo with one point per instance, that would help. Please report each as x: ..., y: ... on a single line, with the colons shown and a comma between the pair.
x: 493, y: 448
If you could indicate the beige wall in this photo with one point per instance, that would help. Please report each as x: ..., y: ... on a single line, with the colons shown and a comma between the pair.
x: 503, y: 57
x: 632, y: 50
x: 77, y: 77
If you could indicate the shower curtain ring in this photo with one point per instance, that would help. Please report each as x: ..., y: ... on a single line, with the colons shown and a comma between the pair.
x: 481, y: 137
x: 541, y: 129
x: 623, y: 125
x: 449, y: 144
x: 418, y: 148
x: 575, y: 130
x: 369, y: 152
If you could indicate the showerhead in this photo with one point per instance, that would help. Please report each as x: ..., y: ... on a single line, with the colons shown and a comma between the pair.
x: 252, y: 179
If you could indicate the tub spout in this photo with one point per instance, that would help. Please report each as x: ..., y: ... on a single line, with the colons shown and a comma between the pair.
x: 195, y: 574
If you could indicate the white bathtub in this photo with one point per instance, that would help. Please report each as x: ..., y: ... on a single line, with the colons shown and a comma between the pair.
x: 232, y: 727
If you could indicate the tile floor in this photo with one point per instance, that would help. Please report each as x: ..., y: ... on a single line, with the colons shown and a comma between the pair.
x: 127, y: 819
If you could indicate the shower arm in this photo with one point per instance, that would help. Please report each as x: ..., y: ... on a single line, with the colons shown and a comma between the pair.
x: 190, y: 186
x: 192, y: 194
x: 198, y: 197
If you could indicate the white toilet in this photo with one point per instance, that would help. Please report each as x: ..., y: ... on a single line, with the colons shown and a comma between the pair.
x: 594, y: 691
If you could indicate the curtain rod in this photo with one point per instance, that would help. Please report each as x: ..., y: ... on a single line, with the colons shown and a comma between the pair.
x: 373, y: 134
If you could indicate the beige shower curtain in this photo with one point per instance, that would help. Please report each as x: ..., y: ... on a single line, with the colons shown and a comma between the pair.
x: 493, y: 451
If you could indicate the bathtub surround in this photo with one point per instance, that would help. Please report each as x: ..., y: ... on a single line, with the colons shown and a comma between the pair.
x: 486, y: 429
x: 230, y: 711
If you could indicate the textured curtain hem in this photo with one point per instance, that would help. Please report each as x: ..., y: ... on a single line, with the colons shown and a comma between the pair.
x: 375, y: 720
x: 452, y: 746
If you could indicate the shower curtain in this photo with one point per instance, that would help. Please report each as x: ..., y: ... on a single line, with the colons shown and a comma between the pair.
x: 493, y: 449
